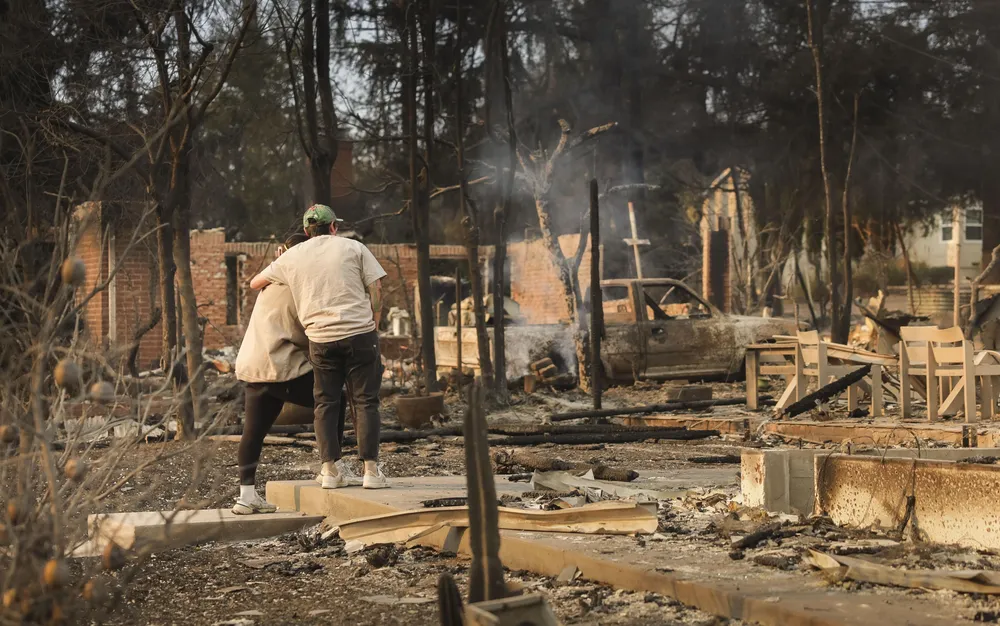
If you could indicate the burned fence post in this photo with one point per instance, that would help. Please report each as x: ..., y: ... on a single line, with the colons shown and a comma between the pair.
x: 486, y: 570
x: 596, y: 304
x: 458, y: 324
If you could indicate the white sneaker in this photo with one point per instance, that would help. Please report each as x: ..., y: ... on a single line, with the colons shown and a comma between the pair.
x: 331, y: 481
x: 375, y: 480
x: 257, y: 505
x: 345, y: 470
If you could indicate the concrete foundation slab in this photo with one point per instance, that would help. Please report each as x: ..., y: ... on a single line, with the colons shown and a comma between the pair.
x: 783, y: 481
x: 177, y: 528
x: 720, y: 586
x: 953, y: 503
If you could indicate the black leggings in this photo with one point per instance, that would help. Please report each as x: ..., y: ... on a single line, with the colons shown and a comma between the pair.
x: 263, y: 405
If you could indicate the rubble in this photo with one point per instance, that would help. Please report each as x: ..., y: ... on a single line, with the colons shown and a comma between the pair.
x: 510, y: 460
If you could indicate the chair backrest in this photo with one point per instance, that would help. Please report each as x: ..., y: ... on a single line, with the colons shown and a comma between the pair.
x: 809, y: 346
x: 948, y: 344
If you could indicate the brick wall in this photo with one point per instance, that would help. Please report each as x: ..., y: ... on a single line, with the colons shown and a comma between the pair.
x: 400, y: 264
x: 91, y: 251
x: 209, y: 277
x: 104, y: 242
x: 534, y: 279
x: 135, y: 291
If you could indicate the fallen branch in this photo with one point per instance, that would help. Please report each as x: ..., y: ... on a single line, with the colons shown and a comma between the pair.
x: 825, y: 393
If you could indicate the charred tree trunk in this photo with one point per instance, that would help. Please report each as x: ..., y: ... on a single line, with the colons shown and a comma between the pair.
x: 178, y: 195
x: 315, y: 56
x: 469, y: 216
x: 540, y: 176
x: 570, y: 288
x: 836, y: 308
x: 189, y: 304
x: 167, y: 271
x: 499, y: 90
x: 845, y: 329
x: 419, y: 202
x: 551, y: 241
x: 991, y: 227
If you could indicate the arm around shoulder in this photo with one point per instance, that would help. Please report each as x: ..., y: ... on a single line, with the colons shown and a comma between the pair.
x: 270, y: 274
x: 259, y: 282
x: 375, y: 297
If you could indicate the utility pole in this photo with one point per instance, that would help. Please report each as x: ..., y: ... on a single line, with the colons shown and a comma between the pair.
x: 635, y: 242
x: 458, y: 324
x: 956, y: 254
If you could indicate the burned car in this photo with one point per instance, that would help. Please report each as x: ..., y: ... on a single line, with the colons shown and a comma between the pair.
x: 655, y: 329
x: 658, y: 328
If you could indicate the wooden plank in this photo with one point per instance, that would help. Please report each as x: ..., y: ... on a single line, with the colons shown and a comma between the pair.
x: 602, y: 518
x: 969, y: 378
x: 752, y: 373
x: 905, y: 397
x: 177, y: 528
x: 933, y: 393
x: 786, y: 396
x: 878, y: 406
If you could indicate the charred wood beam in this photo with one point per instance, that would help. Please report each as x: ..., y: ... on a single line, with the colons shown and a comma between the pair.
x: 826, y: 392
x: 511, y: 436
x: 678, y: 434
x: 596, y: 302
x: 485, y: 571
x: 717, y: 459
x: 656, y: 408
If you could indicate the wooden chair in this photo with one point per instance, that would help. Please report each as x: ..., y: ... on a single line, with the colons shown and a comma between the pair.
x: 951, y: 368
x: 812, y: 360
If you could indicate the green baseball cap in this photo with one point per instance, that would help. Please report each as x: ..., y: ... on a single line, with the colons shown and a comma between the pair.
x: 319, y: 214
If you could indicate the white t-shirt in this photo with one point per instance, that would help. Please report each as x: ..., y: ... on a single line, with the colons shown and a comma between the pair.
x: 327, y: 276
x: 274, y: 348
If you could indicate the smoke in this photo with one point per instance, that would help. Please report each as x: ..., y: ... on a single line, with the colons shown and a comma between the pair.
x: 527, y: 344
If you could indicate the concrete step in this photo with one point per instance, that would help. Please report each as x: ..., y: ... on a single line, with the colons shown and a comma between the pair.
x: 179, y: 528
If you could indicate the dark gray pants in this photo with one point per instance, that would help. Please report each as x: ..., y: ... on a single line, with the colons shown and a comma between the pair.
x: 357, y: 361
x: 264, y: 402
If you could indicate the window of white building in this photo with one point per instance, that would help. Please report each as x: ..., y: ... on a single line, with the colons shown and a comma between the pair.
x: 973, y: 224
x: 947, y: 230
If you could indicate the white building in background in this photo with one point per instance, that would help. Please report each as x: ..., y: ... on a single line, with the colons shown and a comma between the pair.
x: 961, y: 232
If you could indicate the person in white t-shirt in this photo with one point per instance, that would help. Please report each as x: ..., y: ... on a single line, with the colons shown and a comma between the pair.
x: 273, y: 361
x: 335, y: 283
